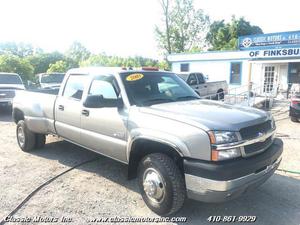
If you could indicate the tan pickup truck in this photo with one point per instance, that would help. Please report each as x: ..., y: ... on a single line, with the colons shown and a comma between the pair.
x: 175, y: 143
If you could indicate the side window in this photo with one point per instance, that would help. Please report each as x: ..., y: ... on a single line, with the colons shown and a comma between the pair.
x: 200, y: 78
x: 192, y: 80
x: 102, y: 87
x: 184, y: 67
x: 74, y: 86
x: 235, y: 72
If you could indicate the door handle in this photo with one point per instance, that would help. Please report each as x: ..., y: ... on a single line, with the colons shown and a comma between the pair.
x: 197, y: 87
x: 85, y: 112
x: 61, y: 107
x: 205, y: 86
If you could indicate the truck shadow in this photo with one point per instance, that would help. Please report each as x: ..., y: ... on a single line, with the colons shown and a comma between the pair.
x: 275, y: 202
x: 5, y: 114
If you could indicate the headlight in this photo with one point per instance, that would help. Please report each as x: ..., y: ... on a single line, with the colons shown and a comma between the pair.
x: 223, y: 138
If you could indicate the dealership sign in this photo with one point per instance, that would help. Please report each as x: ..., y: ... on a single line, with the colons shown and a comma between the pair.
x: 273, y: 40
x: 275, y: 53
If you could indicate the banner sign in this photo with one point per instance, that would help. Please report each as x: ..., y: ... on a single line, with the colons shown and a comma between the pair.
x: 273, y: 40
x: 275, y: 53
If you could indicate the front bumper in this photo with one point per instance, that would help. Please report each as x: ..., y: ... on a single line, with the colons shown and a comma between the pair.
x: 222, y: 181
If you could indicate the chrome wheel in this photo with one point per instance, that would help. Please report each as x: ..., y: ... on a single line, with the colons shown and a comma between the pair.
x: 154, y: 185
x: 21, y: 136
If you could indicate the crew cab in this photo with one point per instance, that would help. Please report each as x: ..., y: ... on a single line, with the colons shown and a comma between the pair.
x: 176, y: 144
x: 9, y: 84
x: 211, y: 90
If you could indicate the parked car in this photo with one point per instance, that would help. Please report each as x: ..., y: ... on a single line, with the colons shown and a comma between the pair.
x: 9, y: 83
x: 50, y: 80
x: 212, y: 90
x: 175, y: 143
x: 295, y: 107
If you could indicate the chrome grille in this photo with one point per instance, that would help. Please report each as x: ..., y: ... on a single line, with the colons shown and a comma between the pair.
x: 7, y: 94
x: 258, y: 147
x: 253, y: 131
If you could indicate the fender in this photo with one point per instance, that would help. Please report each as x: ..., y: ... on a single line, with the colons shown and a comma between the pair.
x: 157, y: 136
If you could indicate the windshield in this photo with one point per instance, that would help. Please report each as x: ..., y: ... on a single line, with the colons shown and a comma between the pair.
x: 148, y: 88
x: 10, y: 79
x: 52, y: 78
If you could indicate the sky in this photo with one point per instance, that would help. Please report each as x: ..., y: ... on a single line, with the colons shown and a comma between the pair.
x: 123, y: 27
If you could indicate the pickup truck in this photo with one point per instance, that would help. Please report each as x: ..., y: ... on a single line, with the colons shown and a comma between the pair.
x: 176, y: 144
x: 49, y: 80
x: 9, y: 84
x: 212, y: 90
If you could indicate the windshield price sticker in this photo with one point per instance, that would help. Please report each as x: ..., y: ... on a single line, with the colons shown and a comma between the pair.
x: 134, y: 77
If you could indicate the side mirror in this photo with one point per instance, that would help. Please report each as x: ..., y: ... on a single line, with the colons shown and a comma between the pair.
x: 97, y: 101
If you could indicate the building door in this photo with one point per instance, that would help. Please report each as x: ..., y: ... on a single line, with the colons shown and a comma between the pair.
x: 270, y: 78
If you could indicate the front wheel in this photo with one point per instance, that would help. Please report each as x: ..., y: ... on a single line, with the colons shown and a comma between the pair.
x: 161, y: 184
x: 26, y: 138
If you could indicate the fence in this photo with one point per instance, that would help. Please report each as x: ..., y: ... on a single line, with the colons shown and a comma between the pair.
x: 247, y: 95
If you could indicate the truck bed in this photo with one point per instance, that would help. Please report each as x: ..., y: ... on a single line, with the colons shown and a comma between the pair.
x: 37, y: 105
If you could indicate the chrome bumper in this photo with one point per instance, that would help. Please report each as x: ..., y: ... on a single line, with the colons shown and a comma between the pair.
x: 207, y: 190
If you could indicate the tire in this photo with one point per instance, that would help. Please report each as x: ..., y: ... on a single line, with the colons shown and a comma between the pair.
x: 294, y: 119
x: 26, y: 138
x: 220, y: 95
x: 171, y: 184
x: 40, y: 140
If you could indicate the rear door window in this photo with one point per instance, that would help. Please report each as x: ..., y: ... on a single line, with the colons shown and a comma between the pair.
x: 74, y: 86
x: 200, y: 78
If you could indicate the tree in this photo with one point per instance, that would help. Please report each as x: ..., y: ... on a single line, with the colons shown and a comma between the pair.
x: 224, y: 36
x: 105, y: 60
x: 77, y: 52
x: 14, y: 64
x: 41, y: 62
x: 59, y: 66
x: 184, y: 27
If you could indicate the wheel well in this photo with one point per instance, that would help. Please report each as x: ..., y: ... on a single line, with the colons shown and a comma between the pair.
x: 18, y: 115
x: 142, y: 147
x: 220, y: 90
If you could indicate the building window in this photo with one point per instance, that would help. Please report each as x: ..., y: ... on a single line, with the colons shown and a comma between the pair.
x: 294, y: 73
x: 235, y: 72
x: 184, y: 67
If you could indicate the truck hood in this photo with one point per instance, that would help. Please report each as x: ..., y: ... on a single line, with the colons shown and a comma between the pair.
x: 209, y: 115
x: 12, y: 86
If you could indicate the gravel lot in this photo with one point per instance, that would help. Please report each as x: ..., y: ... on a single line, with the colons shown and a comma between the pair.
x: 100, y: 188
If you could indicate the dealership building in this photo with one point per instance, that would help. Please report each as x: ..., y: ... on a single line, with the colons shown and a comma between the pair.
x: 265, y: 60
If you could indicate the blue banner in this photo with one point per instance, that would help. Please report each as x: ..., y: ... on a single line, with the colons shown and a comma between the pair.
x: 272, y: 40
